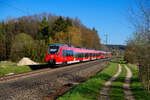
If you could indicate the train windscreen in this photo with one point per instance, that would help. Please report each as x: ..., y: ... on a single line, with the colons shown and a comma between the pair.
x: 53, y: 49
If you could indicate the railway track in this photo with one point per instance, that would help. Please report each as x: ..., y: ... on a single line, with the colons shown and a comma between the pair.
x: 34, y: 72
x: 26, y: 74
x: 14, y: 76
x: 42, y: 83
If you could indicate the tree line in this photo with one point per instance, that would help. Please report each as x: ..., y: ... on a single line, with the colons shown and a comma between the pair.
x: 29, y: 36
x: 138, y: 46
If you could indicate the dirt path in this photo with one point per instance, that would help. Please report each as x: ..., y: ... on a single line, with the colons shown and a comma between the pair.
x: 126, y: 85
x: 104, y: 93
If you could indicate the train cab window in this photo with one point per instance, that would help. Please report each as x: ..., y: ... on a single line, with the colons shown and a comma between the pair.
x: 53, y: 49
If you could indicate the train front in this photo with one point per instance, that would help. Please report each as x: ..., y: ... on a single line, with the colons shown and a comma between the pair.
x: 51, y: 55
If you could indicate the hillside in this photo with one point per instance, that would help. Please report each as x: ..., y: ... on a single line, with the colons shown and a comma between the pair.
x: 116, y: 47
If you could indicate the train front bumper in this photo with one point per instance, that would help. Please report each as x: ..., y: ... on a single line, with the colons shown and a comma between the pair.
x: 52, y: 61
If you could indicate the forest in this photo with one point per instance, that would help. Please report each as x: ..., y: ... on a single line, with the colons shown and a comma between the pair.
x: 29, y: 36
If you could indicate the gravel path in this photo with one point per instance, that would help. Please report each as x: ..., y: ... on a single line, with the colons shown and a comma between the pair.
x: 104, y: 93
x: 126, y: 85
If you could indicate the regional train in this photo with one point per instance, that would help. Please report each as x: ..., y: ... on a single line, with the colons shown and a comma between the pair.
x: 67, y: 54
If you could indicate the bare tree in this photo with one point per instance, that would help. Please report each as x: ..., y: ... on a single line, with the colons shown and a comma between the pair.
x: 140, y: 20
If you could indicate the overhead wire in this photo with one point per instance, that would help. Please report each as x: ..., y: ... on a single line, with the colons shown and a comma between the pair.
x: 16, y: 8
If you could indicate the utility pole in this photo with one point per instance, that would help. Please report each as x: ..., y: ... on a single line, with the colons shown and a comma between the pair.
x: 106, y: 40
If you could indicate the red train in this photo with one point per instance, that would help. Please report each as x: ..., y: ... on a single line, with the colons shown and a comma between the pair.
x: 65, y: 54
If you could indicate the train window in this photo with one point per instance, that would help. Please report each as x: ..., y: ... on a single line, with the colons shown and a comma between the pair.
x: 77, y: 55
x: 67, y: 53
x: 72, y: 53
x: 84, y: 55
x: 97, y: 54
x: 81, y: 55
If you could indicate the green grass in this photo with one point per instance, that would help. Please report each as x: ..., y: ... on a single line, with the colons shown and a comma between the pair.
x: 138, y: 91
x: 116, y: 92
x: 90, y: 89
x: 10, y: 67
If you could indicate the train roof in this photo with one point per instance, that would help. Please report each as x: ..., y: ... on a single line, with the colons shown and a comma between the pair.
x: 59, y: 44
x: 79, y: 49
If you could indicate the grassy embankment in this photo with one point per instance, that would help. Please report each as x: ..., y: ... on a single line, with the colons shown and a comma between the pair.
x: 90, y: 89
x: 138, y: 91
x: 10, y: 67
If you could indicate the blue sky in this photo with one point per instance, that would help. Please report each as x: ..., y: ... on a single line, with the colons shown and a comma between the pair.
x: 107, y: 16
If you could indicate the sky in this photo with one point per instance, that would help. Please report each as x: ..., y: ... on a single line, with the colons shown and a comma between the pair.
x: 107, y: 16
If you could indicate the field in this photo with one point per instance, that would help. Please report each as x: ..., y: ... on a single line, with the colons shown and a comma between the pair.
x: 10, y: 67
